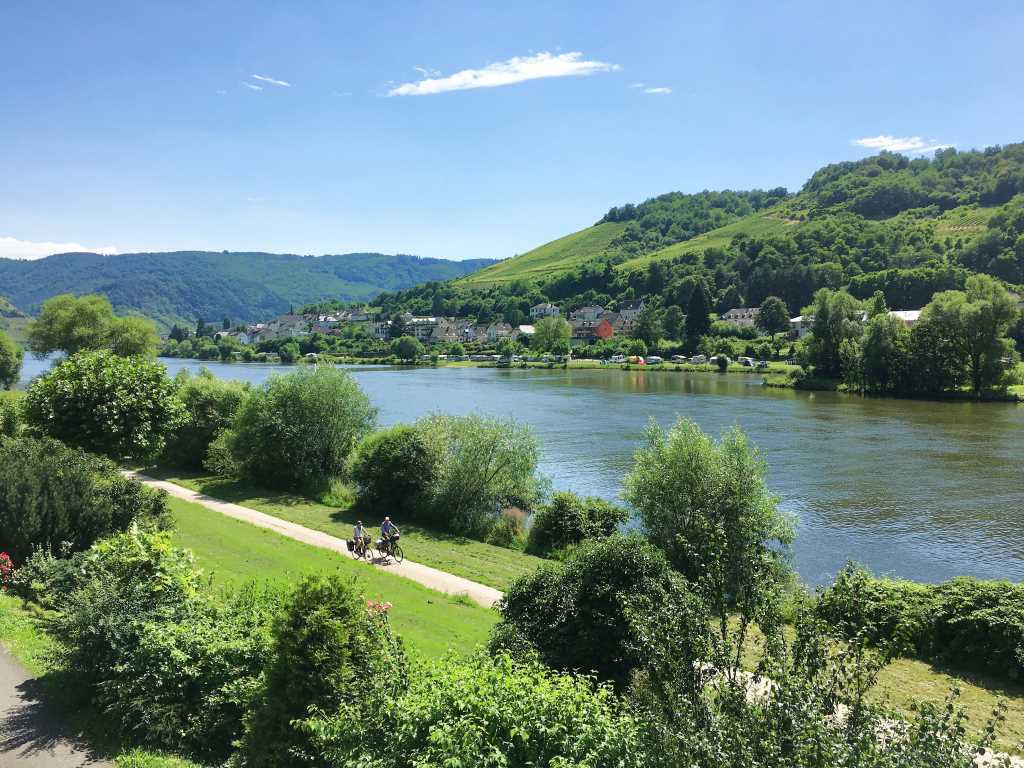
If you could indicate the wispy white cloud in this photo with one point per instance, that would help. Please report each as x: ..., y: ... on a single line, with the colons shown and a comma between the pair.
x: 12, y: 248
x: 272, y: 81
x: 221, y: 92
x: 660, y: 90
x: 636, y: 85
x: 252, y: 87
x: 428, y: 72
x: 910, y: 144
x: 515, y: 70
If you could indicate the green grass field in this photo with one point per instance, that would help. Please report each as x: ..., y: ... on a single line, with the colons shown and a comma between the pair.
x: 232, y: 552
x: 769, y: 222
x: 551, y: 259
x: 483, y: 563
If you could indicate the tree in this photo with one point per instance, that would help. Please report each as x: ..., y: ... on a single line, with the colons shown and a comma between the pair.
x: 11, y: 357
x: 648, y: 325
x: 51, y: 494
x: 331, y: 654
x: 69, y: 324
x: 974, y: 322
x: 210, y: 406
x: 288, y: 352
x: 550, y: 334
x: 484, y: 465
x: 123, y: 407
x: 178, y: 333
x: 587, y: 614
x: 773, y: 316
x: 886, y: 353
x: 508, y: 348
x: 569, y: 519
x: 130, y: 336
x: 395, y: 469
x: 705, y: 503
x: 836, y: 318
x: 673, y: 323
x: 407, y: 348
x: 698, y: 321
x: 877, y: 306
x: 296, y: 431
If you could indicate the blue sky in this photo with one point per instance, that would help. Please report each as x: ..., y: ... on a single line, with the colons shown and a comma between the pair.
x: 143, y: 125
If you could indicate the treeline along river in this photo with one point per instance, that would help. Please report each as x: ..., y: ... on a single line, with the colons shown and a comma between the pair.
x: 922, y: 490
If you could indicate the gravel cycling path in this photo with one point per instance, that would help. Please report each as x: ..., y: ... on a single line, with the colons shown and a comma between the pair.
x: 425, y: 575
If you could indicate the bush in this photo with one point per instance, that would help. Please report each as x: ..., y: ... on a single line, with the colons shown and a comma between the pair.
x: 484, y: 466
x: 210, y: 405
x: 492, y: 713
x: 965, y: 622
x: 394, y: 471
x: 166, y: 660
x: 122, y: 407
x: 569, y: 519
x: 297, y: 431
x: 51, y: 494
x: 10, y: 417
x: 587, y: 614
x: 332, y: 653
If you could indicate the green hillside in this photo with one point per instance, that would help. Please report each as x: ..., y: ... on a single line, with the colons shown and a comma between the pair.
x: 905, y: 227
x: 551, y: 259
x: 186, y: 286
x: 12, y: 320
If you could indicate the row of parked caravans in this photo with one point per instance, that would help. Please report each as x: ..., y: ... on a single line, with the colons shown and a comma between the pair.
x: 749, y: 362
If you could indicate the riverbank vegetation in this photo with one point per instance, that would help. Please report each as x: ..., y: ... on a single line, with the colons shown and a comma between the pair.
x: 687, y: 640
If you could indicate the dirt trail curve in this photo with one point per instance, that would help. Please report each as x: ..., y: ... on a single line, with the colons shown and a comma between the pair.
x: 425, y: 575
x: 32, y: 736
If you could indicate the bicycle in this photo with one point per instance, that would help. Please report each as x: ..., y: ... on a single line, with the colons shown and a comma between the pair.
x: 362, y: 552
x: 389, y: 548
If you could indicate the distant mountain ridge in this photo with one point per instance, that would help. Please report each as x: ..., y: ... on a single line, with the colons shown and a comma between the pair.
x: 184, y: 286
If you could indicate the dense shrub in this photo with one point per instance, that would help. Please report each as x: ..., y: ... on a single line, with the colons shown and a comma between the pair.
x: 332, y: 653
x: 122, y: 407
x: 484, y: 466
x: 569, y: 519
x: 588, y: 613
x: 297, y: 431
x: 965, y: 622
x: 394, y: 471
x: 50, y: 494
x: 492, y: 713
x: 10, y: 417
x: 210, y: 405
x: 11, y: 356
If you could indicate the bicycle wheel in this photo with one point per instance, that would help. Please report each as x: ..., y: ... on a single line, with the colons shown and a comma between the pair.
x: 369, y: 554
x: 396, y: 552
x: 355, y: 553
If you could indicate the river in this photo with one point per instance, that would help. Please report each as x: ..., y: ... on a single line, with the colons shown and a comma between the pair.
x: 922, y: 490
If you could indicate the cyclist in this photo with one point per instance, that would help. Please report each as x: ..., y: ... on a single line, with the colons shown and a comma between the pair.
x: 389, y: 531
x: 359, y: 534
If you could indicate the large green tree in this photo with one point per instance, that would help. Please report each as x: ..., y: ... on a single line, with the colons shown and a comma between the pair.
x: 551, y: 334
x: 11, y: 357
x: 674, y: 323
x: 706, y: 504
x: 836, y: 319
x: 886, y: 353
x: 975, y: 322
x: 406, y: 348
x: 71, y: 324
x: 773, y: 315
x: 698, y: 320
x: 123, y: 407
x: 297, y: 431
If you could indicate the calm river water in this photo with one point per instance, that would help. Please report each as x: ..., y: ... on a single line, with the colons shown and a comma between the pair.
x: 910, y: 488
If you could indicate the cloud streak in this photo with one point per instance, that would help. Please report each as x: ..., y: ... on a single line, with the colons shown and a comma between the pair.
x: 518, y: 69
x: 659, y: 91
x: 912, y: 145
x: 12, y: 248
x: 252, y: 87
x: 272, y: 81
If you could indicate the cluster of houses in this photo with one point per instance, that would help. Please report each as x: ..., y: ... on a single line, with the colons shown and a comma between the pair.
x: 588, y: 324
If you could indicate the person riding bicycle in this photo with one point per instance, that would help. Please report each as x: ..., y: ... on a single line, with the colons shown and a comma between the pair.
x: 388, y: 530
x: 359, y: 535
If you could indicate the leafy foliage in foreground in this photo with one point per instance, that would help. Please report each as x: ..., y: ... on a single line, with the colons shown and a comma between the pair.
x: 210, y: 407
x: 569, y: 519
x: 53, y: 496
x: 122, y: 407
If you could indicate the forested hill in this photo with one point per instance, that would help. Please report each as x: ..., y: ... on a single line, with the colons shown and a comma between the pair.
x: 907, y: 227
x: 189, y: 285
